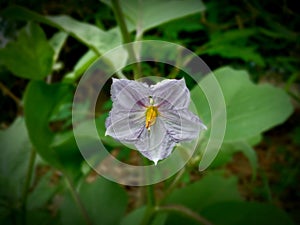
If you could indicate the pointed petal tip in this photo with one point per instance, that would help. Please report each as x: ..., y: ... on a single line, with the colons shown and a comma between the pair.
x: 155, y: 161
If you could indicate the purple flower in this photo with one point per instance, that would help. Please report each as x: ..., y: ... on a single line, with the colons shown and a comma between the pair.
x: 152, y: 118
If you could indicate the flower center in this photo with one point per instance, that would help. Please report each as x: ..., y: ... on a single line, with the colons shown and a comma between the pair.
x: 151, y: 114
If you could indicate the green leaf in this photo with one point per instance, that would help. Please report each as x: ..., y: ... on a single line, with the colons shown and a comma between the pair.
x: 30, y: 56
x: 236, y: 213
x: 93, y: 37
x: 41, y: 217
x: 251, y: 109
x: 211, y: 189
x: 14, y: 158
x: 233, y: 44
x: 134, y: 217
x: 40, y: 100
x: 142, y: 15
x: 105, y: 203
x: 42, y: 193
x: 57, y: 41
x: 81, y: 66
x: 229, y: 149
x: 231, y: 51
x: 172, y: 30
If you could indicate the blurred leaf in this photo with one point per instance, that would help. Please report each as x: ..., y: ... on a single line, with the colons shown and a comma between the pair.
x: 171, y: 30
x: 142, y: 15
x: 231, y: 51
x: 134, y: 217
x: 233, y: 44
x: 105, y: 203
x: 57, y: 41
x: 236, y: 213
x: 251, y: 109
x: 229, y: 149
x: 30, y: 56
x: 42, y: 193
x: 211, y: 189
x: 41, y: 217
x: 81, y: 66
x: 15, y: 147
x: 40, y: 100
x: 14, y: 159
x: 96, y: 39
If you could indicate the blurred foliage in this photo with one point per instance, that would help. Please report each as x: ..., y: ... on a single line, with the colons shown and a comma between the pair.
x: 46, y: 46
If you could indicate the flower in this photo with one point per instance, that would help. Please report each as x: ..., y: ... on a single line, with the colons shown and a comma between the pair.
x: 153, y: 118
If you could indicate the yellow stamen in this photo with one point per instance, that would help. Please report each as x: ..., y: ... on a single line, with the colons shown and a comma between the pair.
x: 151, y: 115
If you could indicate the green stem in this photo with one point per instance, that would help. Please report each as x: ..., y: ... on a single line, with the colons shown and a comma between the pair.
x: 150, y: 190
x: 7, y: 92
x: 27, y: 183
x: 126, y: 36
x: 121, y: 22
x: 148, y: 216
x: 150, y: 210
x: 185, y: 212
x: 78, y: 201
x: 173, y: 185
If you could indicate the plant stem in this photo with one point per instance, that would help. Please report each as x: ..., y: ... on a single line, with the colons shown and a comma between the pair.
x: 150, y: 190
x: 150, y: 210
x: 173, y: 185
x: 27, y: 183
x: 120, y: 19
x: 126, y: 36
x: 184, y: 211
x: 78, y: 201
x: 6, y: 91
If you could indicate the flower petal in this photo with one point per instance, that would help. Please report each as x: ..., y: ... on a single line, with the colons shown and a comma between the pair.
x: 155, y: 144
x: 182, y: 125
x: 130, y: 94
x: 171, y: 94
x: 125, y: 126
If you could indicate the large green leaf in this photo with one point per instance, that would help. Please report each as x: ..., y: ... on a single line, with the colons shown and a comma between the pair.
x: 95, y: 38
x: 14, y: 159
x: 256, y: 109
x: 40, y: 100
x: 143, y: 15
x: 236, y: 213
x: 104, y: 201
x: 136, y: 216
x: 228, y: 149
x: 15, y: 147
x: 251, y: 109
x: 211, y: 189
x: 30, y: 56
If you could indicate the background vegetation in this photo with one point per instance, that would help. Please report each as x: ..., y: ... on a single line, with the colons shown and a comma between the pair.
x: 253, y: 48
